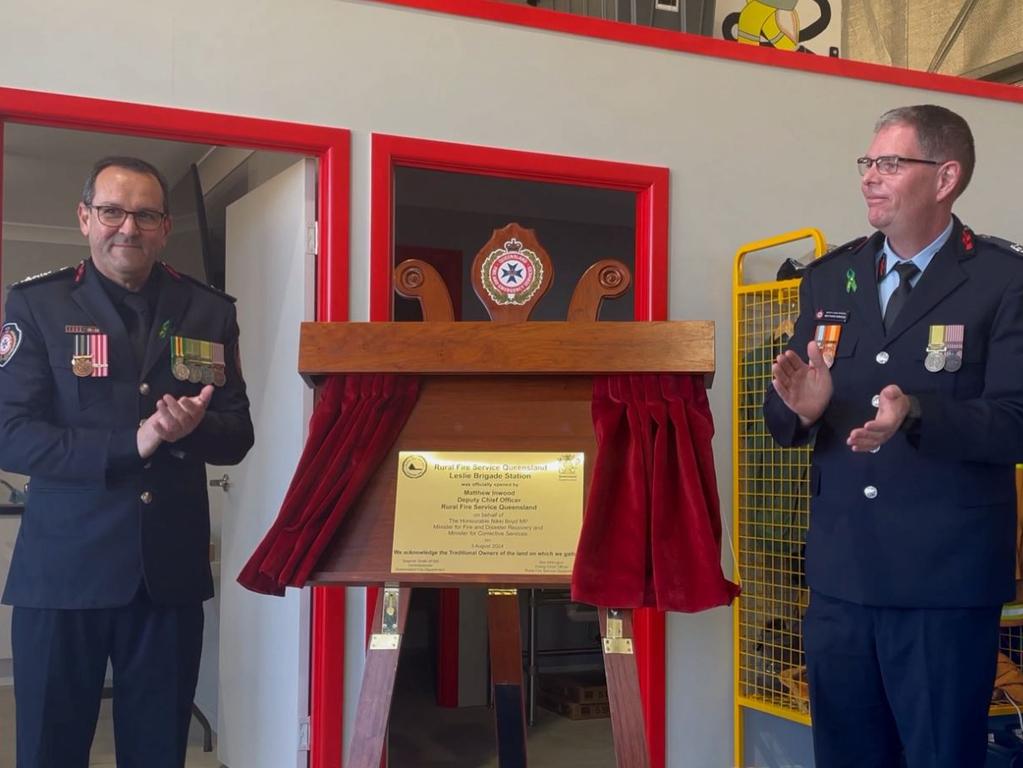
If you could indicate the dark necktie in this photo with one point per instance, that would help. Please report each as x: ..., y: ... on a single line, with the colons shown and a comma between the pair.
x: 138, y: 331
x: 906, y: 270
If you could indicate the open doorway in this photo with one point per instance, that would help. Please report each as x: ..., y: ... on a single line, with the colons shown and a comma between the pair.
x: 213, y: 162
x: 440, y: 202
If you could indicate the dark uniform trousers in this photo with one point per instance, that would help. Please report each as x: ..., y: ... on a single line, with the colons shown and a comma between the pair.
x: 888, y: 680
x: 59, y: 670
x: 112, y: 555
x: 910, y: 550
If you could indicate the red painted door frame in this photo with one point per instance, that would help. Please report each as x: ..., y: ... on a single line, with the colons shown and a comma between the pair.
x: 650, y: 186
x: 331, y: 148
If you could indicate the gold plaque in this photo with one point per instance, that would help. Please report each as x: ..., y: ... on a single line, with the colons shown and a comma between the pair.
x: 487, y: 513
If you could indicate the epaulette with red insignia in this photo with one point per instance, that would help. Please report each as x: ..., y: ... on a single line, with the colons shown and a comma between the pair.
x: 44, y: 277
x: 182, y: 277
x: 849, y: 247
x: 1001, y: 243
x: 967, y: 239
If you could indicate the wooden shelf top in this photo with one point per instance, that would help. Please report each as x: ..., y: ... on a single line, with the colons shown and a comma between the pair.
x: 466, y: 348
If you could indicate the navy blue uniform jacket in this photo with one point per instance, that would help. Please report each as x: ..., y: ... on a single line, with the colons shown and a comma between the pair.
x: 88, y: 537
x: 941, y: 529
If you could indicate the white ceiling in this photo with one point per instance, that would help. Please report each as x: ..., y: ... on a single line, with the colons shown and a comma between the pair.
x: 44, y: 168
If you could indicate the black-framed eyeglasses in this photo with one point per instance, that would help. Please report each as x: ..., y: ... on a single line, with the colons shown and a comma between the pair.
x: 888, y: 164
x: 113, y: 216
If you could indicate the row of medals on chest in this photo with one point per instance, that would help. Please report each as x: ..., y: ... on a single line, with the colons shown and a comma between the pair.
x: 193, y: 371
x: 944, y: 346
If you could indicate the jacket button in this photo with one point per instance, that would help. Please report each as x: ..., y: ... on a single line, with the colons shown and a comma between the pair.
x: 143, y: 388
x: 875, y: 400
x: 146, y: 497
x: 870, y: 492
x: 882, y: 357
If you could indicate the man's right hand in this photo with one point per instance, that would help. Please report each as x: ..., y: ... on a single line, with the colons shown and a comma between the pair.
x: 173, y: 420
x: 805, y: 388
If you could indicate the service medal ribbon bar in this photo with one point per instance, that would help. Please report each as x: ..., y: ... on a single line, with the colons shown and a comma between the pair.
x: 90, y: 358
x: 197, y: 361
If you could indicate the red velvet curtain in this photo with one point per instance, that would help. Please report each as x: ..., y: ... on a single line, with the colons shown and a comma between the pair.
x: 355, y: 423
x: 651, y: 534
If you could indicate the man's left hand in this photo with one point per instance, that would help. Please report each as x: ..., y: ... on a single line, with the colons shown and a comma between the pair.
x: 891, y: 412
x: 178, y: 417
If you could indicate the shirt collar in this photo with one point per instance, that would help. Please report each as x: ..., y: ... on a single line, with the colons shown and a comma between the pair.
x: 922, y: 259
x: 148, y: 291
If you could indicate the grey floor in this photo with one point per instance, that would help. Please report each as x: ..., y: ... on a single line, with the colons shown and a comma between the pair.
x: 103, y: 746
x: 422, y: 735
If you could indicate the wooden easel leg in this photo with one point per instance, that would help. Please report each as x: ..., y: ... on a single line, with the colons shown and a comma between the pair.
x: 627, y: 723
x: 370, y: 729
x: 506, y: 674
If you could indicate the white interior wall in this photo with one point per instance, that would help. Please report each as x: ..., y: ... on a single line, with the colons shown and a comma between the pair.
x: 753, y: 151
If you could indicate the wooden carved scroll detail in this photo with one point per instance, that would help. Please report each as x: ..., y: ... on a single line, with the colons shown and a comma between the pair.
x: 415, y: 279
x: 606, y: 279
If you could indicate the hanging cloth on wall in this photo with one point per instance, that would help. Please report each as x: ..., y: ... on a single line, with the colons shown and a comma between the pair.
x: 651, y: 534
x: 354, y: 425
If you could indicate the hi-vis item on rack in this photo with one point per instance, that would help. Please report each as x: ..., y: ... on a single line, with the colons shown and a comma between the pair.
x: 197, y: 361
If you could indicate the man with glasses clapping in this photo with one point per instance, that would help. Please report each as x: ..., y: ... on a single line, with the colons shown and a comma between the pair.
x: 119, y: 382
x: 904, y: 374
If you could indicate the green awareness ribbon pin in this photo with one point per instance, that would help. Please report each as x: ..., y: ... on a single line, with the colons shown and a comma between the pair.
x: 850, y: 281
x: 166, y: 328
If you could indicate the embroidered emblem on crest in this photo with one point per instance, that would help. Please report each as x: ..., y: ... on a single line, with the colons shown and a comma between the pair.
x: 10, y: 340
x: 511, y: 275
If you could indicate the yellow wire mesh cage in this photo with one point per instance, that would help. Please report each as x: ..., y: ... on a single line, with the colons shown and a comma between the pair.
x: 1008, y: 697
x: 771, y: 493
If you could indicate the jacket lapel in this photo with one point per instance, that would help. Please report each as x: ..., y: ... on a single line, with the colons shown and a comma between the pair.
x: 942, y: 276
x: 170, y: 309
x: 90, y: 296
x: 865, y: 297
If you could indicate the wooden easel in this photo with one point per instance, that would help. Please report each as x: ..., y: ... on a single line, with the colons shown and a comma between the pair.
x: 469, y: 369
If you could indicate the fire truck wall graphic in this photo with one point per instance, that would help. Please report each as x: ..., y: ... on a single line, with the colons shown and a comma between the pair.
x: 775, y: 23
